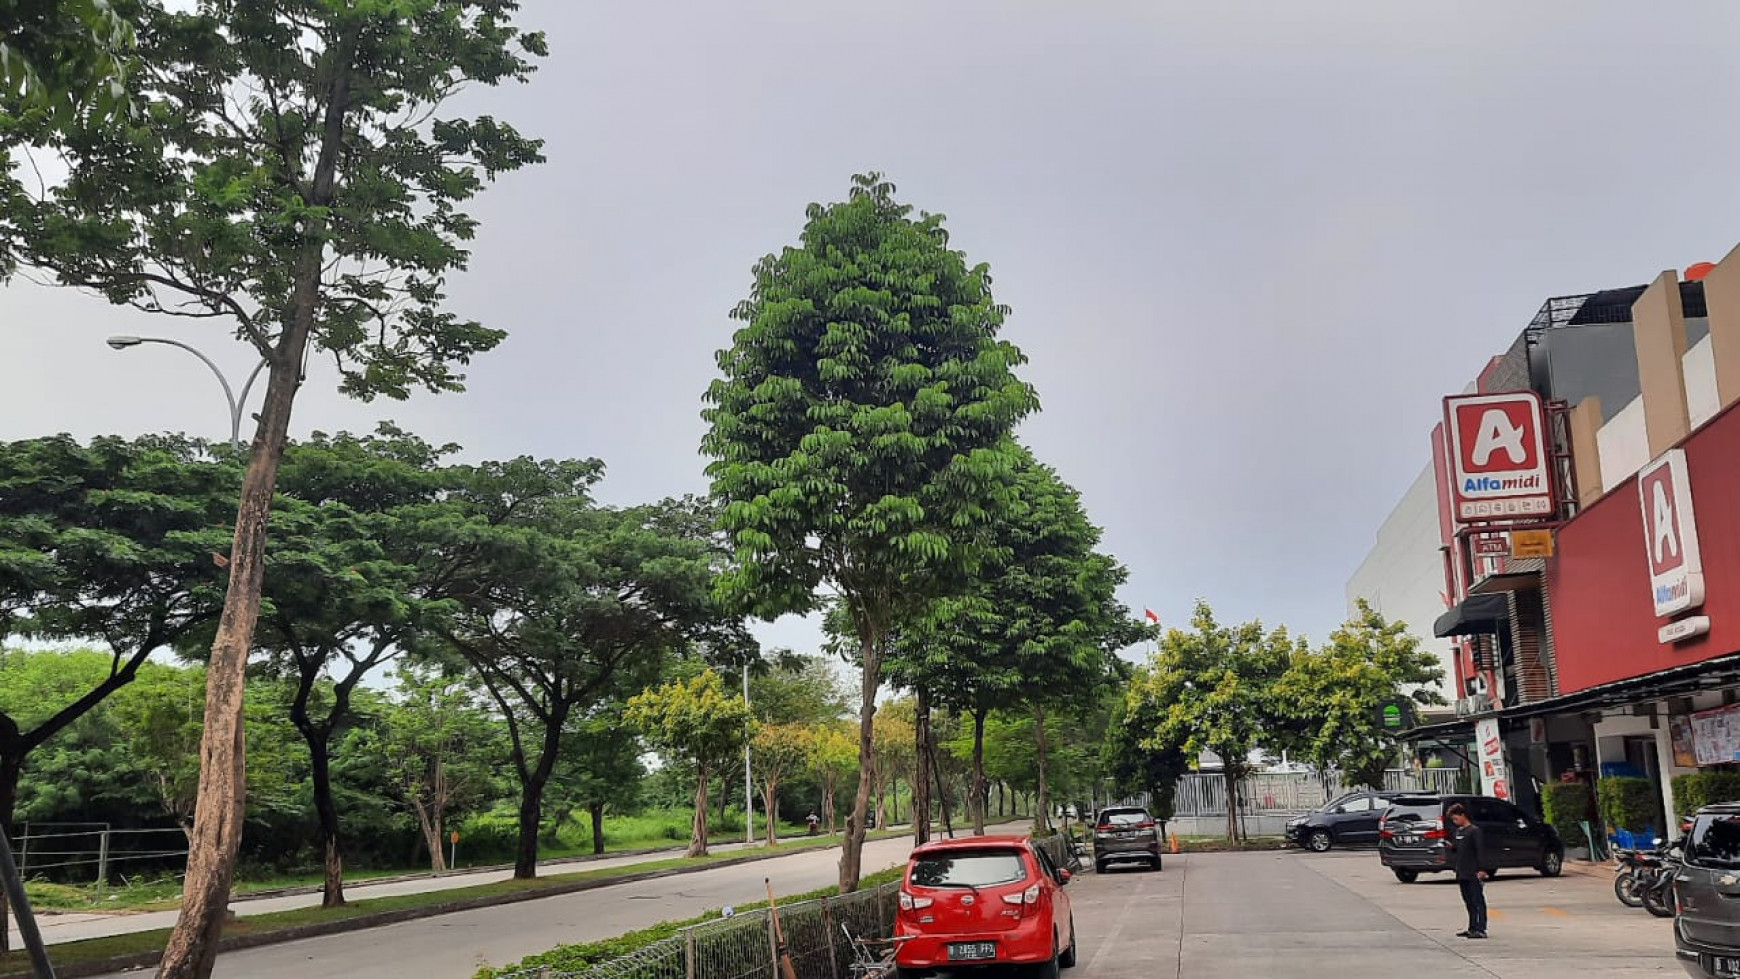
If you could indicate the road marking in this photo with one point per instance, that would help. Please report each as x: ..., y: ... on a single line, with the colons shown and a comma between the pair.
x: 1556, y: 912
x: 1494, y: 913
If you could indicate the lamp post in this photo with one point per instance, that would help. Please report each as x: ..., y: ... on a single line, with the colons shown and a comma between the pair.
x: 748, y: 782
x: 235, y: 403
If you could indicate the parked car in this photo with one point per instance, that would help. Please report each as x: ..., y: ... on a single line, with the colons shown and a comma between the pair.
x: 1347, y: 820
x: 1124, y: 833
x: 1707, y: 894
x: 1414, y: 836
x: 980, y: 901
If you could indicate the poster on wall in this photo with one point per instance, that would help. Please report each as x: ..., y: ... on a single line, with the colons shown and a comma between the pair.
x: 1685, y: 750
x: 1489, y: 752
x: 1715, y: 736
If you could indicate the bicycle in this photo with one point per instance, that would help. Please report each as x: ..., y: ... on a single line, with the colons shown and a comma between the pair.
x: 873, y: 958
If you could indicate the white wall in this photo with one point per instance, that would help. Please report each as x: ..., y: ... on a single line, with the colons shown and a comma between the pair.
x: 1624, y: 442
x: 1702, y: 401
x: 1403, y: 574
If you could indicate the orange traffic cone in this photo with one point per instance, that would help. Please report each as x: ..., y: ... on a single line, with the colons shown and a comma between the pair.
x: 1174, y: 842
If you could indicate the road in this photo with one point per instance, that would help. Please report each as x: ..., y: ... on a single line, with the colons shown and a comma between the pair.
x: 57, y: 928
x: 453, y: 946
x: 1304, y: 916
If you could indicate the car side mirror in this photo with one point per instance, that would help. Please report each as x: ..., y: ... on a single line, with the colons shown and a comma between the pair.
x: 1064, y: 877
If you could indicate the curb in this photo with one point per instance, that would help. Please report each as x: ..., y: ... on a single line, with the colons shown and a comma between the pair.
x: 141, y: 960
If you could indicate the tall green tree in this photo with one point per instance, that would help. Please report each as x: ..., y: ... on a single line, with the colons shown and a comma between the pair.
x: 598, y: 768
x: 1214, y: 688
x: 696, y: 723
x: 1132, y: 759
x: 859, y: 434
x: 1332, y: 695
x: 321, y: 212
x: 64, y: 60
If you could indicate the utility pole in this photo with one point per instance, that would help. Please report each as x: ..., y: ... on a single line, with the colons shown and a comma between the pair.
x: 748, y: 782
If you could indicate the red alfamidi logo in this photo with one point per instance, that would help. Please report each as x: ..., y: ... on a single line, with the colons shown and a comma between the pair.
x: 1498, y: 456
x: 1670, y: 534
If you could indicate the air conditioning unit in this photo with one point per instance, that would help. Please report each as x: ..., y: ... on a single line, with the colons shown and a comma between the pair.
x: 1479, y: 703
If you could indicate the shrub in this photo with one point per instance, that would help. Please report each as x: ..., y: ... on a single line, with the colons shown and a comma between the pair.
x: 1566, y: 806
x: 1699, y: 789
x: 1627, y: 803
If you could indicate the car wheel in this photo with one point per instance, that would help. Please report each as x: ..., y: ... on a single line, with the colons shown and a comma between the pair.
x: 1553, y: 865
x: 1099, y: 866
x: 1319, y: 841
x: 1406, y: 876
x: 1067, y: 959
x: 1156, y: 865
x: 1658, y: 900
x: 1048, y: 970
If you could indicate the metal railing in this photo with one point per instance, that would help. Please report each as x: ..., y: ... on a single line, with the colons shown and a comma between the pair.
x: 1205, y: 794
x: 64, y: 855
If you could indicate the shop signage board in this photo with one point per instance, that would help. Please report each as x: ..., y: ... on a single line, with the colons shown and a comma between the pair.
x: 1489, y: 751
x: 1499, y: 467
x: 1491, y: 545
x: 1685, y: 750
x: 1531, y: 544
x: 1716, y: 735
x: 1670, y: 535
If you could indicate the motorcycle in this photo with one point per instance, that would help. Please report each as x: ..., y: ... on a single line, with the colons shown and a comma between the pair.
x: 1657, y: 889
x: 1632, y: 868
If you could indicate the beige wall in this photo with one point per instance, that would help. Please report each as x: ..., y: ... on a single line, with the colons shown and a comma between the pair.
x: 1722, y: 296
x: 1659, y: 330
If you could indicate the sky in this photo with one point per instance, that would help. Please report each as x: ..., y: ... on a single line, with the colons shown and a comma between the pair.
x: 1248, y: 246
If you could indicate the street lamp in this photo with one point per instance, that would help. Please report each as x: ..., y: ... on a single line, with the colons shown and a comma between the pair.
x: 235, y: 404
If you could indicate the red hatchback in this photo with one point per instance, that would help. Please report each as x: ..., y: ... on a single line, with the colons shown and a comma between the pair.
x: 983, y: 900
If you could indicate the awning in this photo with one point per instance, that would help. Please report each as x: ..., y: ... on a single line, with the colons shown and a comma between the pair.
x: 1478, y: 615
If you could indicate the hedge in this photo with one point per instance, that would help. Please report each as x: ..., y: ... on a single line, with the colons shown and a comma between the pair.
x: 1628, y: 803
x: 1566, y: 806
x: 1696, y: 790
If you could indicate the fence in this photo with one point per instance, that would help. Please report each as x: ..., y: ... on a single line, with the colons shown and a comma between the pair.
x: 1290, y: 792
x: 742, y: 946
x: 90, y: 851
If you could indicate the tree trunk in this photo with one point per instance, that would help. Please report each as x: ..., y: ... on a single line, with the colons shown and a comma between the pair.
x: 921, y: 771
x: 942, y: 789
x: 326, y: 813
x: 1232, y: 802
x: 698, y: 829
x: 770, y: 803
x: 852, y: 847
x: 830, y: 811
x: 532, y: 783
x: 595, y: 811
x: 981, y: 791
x: 1042, y: 805
x: 431, y: 836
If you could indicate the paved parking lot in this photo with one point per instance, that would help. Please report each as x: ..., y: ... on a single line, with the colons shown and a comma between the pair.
x: 1308, y: 916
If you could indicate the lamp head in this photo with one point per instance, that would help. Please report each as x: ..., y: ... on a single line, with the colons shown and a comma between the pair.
x: 123, y: 342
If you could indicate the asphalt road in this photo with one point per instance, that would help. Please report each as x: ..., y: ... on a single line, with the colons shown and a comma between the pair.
x: 1301, y: 916
x: 453, y: 946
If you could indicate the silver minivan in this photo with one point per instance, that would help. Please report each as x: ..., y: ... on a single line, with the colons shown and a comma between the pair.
x: 1707, y: 894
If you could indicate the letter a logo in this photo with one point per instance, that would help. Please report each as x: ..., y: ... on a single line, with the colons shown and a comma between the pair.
x: 1496, y: 432
x: 1664, y: 535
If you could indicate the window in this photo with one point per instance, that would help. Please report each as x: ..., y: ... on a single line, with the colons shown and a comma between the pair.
x: 969, y: 868
x: 1126, y: 818
x: 1404, y: 810
x: 1046, y: 865
x: 1361, y: 804
x: 1715, y: 842
x: 1490, y: 811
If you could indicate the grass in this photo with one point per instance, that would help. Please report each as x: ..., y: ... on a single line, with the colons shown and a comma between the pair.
x: 1216, y: 844
x: 16, y: 964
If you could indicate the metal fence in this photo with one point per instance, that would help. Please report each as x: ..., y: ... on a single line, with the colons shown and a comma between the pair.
x: 94, y: 851
x: 1205, y: 794
x: 742, y: 946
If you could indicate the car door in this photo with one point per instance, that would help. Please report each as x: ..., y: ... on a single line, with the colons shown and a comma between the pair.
x: 1497, y: 828
x: 1357, y: 823
x: 1061, y: 908
x: 1529, y: 840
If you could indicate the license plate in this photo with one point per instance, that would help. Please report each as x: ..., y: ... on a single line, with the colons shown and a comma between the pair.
x: 972, y: 951
x: 1726, y: 968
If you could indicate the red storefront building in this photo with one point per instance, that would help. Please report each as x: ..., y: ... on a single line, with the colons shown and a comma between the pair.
x: 1605, y: 637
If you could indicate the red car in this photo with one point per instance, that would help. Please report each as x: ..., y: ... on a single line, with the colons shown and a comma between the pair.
x: 983, y: 900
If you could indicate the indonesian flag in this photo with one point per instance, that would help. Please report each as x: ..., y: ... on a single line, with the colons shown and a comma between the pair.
x: 1152, y: 615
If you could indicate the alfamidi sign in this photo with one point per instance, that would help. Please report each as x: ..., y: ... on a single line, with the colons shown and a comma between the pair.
x: 1670, y: 538
x: 1499, y: 468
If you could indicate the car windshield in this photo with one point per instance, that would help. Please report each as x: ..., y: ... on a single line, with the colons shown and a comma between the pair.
x: 1123, y: 817
x: 1715, y: 842
x: 1412, y: 810
x: 968, y: 868
x: 1337, y: 802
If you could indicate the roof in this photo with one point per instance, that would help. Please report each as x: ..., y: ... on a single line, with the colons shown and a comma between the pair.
x: 974, y: 842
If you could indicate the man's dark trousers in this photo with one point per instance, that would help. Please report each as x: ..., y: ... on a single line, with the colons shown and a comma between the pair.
x: 1474, y: 899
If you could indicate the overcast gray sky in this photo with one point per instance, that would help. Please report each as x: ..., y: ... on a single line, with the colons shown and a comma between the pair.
x: 1248, y: 245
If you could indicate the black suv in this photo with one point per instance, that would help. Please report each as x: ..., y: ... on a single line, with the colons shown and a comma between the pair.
x: 1414, y: 836
x: 1125, y: 833
x: 1347, y: 820
x: 1707, y: 894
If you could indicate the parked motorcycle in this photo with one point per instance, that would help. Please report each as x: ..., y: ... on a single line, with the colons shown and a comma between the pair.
x: 1631, y: 867
x: 1657, y: 887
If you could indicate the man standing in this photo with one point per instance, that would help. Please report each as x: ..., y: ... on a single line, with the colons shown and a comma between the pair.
x: 1467, y: 855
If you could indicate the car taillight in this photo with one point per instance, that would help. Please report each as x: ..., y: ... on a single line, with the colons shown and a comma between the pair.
x: 910, y: 903
x: 1028, y: 896
x: 1103, y: 828
x: 1437, y: 831
x: 1145, y: 824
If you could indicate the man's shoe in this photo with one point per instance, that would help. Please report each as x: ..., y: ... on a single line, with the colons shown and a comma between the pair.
x: 1477, y: 934
x: 1462, y: 934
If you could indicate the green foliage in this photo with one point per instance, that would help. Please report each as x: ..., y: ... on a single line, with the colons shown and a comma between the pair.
x: 1695, y: 790
x: 860, y: 428
x: 1566, y: 806
x: 1628, y: 803
x: 694, y: 721
x: 796, y: 689
x: 1330, y: 696
x: 1134, y: 763
x: 63, y: 60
